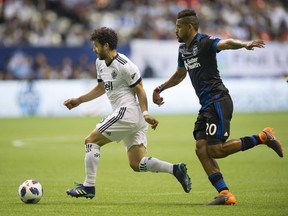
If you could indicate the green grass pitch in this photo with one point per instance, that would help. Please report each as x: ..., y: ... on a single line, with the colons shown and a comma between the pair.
x: 51, y: 151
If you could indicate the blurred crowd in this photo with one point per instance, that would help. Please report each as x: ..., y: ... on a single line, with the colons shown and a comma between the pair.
x: 70, y: 22
x: 21, y: 66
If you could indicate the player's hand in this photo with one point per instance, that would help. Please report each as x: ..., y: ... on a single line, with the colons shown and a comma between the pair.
x: 157, y: 99
x: 255, y: 43
x: 72, y: 102
x: 152, y: 121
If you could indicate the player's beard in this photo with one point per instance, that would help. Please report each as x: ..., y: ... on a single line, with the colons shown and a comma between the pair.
x: 101, y: 56
x: 180, y: 40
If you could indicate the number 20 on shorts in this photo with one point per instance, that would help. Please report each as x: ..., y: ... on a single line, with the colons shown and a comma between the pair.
x: 211, y: 129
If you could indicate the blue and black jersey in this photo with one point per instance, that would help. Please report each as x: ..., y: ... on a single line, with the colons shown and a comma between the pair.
x: 199, y: 59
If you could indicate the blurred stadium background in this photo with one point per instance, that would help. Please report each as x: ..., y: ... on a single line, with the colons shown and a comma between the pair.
x: 46, y: 56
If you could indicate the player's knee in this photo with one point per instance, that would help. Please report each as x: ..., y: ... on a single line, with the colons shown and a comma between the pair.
x: 100, y: 140
x: 200, y: 149
x: 88, y: 140
x: 134, y: 164
x: 215, y: 151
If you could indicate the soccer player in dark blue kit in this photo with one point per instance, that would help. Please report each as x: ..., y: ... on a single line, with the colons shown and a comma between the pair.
x: 197, y: 57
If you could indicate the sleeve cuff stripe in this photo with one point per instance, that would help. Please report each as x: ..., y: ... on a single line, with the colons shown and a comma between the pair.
x: 134, y: 84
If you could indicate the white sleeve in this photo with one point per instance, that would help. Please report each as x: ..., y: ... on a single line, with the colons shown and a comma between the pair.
x: 131, y: 74
x: 97, y: 65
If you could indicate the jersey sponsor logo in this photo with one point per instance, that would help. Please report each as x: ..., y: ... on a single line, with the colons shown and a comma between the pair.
x: 192, y: 63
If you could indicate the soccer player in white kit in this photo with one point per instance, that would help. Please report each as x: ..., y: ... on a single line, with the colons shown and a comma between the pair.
x: 120, y: 79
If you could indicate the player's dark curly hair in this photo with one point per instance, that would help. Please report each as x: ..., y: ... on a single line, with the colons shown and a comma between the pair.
x: 188, y: 16
x: 105, y: 35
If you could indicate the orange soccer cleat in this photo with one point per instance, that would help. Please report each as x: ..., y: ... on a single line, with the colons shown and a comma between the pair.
x: 268, y: 137
x: 225, y: 197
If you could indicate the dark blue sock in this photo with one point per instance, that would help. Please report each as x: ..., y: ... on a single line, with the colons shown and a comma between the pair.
x: 218, y: 182
x: 250, y: 142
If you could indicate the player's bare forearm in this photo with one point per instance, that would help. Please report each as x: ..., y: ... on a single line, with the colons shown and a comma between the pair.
x: 227, y: 44
x: 141, y: 95
x: 175, y: 79
x: 94, y: 93
x: 142, y: 99
x: 97, y: 91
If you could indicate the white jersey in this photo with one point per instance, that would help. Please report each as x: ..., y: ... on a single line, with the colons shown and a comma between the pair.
x: 119, y: 77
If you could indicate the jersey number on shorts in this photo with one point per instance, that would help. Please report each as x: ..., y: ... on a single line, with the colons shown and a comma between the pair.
x: 211, y: 129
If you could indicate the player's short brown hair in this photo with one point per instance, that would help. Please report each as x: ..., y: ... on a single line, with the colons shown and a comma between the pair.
x: 105, y: 35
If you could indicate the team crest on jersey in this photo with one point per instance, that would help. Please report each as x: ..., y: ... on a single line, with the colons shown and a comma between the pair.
x: 194, y: 50
x: 114, y: 74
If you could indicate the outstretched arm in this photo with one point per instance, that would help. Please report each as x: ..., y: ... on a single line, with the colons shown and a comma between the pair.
x: 238, y: 44
x: 97, y: 91
x: 174, y: 80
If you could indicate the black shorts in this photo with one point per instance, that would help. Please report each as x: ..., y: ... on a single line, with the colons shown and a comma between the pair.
x: 213, y: 123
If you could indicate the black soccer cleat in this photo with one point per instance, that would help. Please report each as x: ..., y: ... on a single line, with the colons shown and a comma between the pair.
x: 180, y: 172
x: 81, y: 191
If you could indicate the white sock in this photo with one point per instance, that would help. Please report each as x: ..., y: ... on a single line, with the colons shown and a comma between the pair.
x: 92, y: 158
x: 154, y: 165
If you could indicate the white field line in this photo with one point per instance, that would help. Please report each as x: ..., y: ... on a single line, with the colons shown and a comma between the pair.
x: 40, y: 140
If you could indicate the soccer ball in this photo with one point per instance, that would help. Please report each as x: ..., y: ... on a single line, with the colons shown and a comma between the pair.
x: 30, y: 191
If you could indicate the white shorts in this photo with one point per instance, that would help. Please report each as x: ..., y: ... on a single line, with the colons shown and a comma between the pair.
x: 127, y: 124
